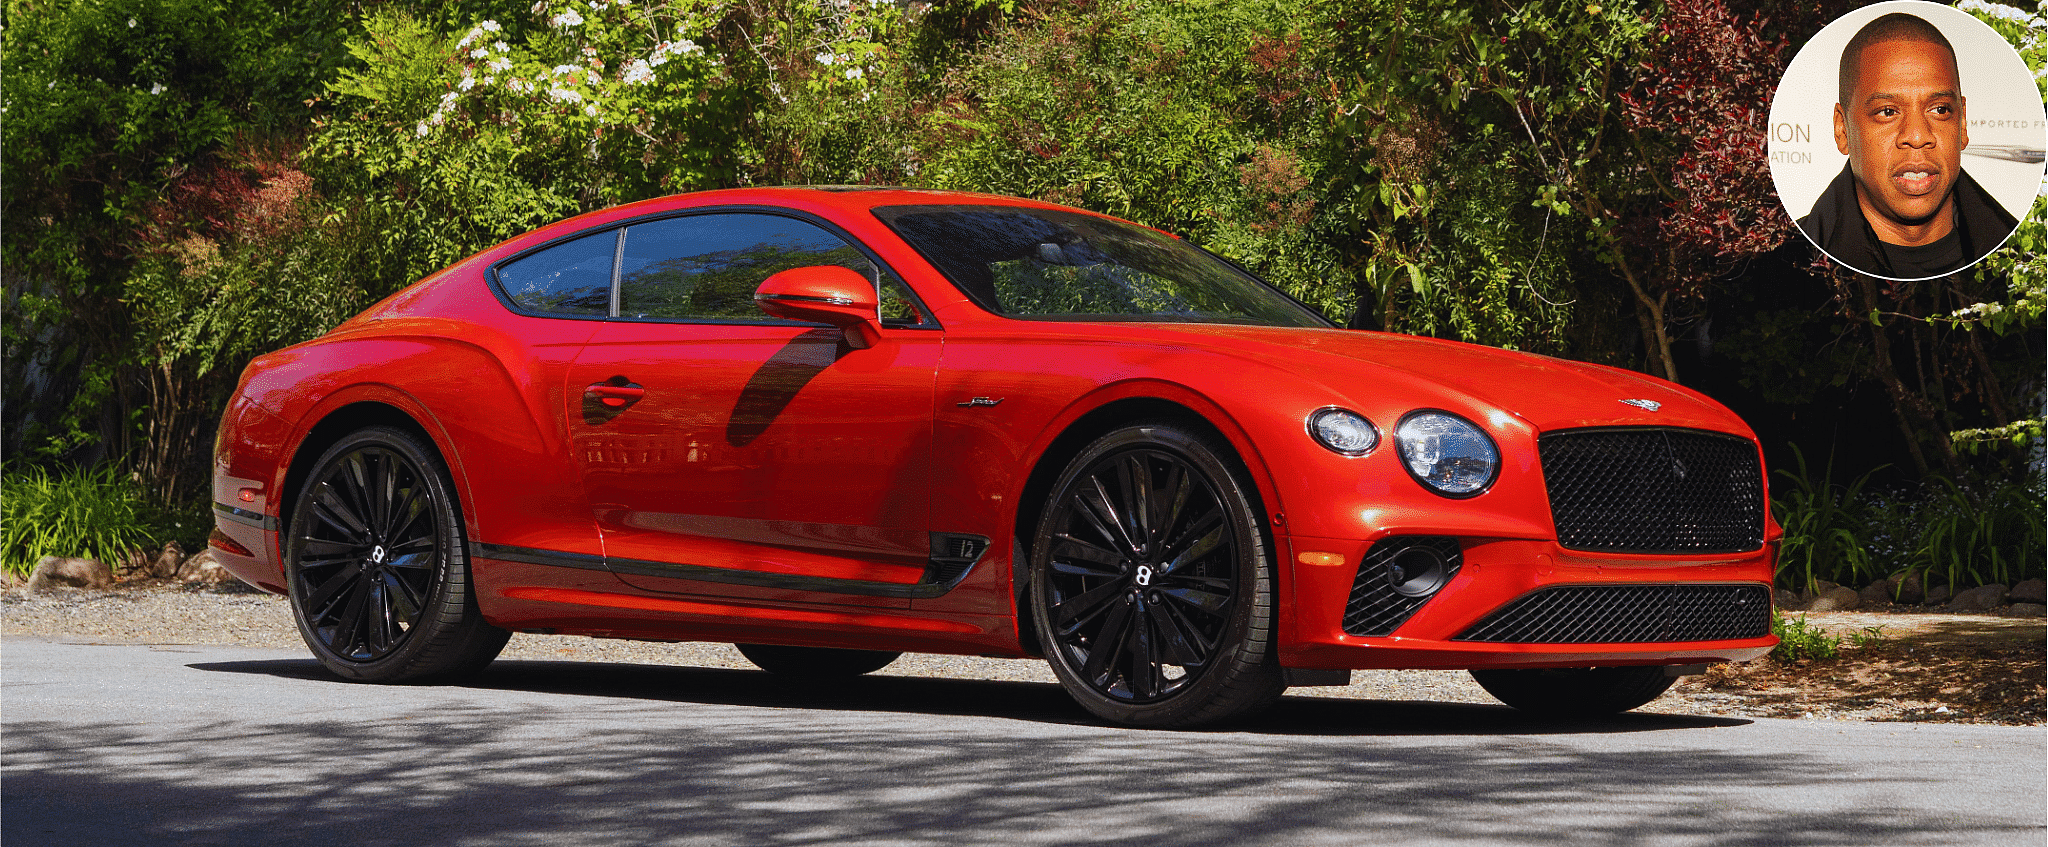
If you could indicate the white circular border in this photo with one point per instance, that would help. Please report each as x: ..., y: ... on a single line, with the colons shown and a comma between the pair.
x: 2004, y: 108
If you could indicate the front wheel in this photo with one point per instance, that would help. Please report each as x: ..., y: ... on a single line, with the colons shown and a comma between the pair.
x: 1150, y: 586
x: 1575, y: 692
x: 375, y: 565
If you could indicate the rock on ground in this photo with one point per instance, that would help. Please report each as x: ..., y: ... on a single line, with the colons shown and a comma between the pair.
x: 1980, y: 599
x: 202, y: 568
x: 1840, y: 598
x: 67, y: 572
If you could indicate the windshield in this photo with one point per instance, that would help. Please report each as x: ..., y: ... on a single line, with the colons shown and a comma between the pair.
x: 1045, y: 264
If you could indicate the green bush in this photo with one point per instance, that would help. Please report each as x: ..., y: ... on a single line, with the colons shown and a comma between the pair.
x: 94, y: 513
x: 1826, y: 527
x: 1959, y: 535
x: 1798, y: 639
x: 1978, y: 536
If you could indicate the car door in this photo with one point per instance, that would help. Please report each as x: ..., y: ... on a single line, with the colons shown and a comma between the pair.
x: 727, y: 453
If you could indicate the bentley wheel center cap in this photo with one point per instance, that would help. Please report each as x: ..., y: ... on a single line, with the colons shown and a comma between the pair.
x: 377, y: 555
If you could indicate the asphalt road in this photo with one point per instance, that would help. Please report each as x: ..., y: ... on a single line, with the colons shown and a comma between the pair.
x: 136, y: 745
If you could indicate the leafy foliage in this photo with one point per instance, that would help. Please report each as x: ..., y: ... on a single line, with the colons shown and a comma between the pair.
x: 110, y: 109
x: 94, y: 513
x: 1824, y: 528
x: 1798, y: 640
x: 1971, y: 538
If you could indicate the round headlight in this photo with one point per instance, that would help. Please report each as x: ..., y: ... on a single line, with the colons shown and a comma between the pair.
x: 1448, y: 454
x: 1344, y: 431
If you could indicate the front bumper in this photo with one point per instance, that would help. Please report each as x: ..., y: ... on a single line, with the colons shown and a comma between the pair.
x: 1495, y: 573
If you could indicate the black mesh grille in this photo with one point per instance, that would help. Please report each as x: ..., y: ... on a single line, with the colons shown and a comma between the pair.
x: 1653, y: 490
x: 1375, y: 607
x: 1625, y: 614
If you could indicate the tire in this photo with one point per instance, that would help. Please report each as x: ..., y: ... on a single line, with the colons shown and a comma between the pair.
x: 1575, y: 692
x: 376, y: 565
x: 1150, y: 586
x: 815, y: 662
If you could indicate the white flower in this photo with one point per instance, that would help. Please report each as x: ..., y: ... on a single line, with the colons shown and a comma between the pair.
x: 854, y: 73
x: 480, y: 52
x: 489, y: 26
x: 540, y: 7
x: 664, y: 50
x: 1994, y: 10
x: 501, y: 47
x: 468, y: 37
x: 565, y: 69
x: 590, y: 109
x: 564, y: 95
x: 156, y: 88
x: 638, y: 72
x: 131, y: 23
x: 825, y: 58
x: 500, y: 64
x: 567, y: 18
x: 420, y: 130
x: 468, y: 82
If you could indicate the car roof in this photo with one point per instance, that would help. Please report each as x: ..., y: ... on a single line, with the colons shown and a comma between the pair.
x: 852, y: 196
x: 841, y: 198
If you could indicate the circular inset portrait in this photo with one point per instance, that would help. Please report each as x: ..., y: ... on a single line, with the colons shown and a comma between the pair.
x: 1907, y: 140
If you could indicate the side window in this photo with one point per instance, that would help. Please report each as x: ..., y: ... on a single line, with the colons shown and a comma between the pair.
x: 706, y: 267
x: 573, y: 278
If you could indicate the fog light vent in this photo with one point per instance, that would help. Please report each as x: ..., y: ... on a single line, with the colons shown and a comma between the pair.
x: 1397, y: 576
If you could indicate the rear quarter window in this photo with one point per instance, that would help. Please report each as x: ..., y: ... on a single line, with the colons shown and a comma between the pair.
x: 572, y: 278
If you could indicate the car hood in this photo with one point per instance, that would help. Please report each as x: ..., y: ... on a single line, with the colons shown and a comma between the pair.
x: 1548, y: 393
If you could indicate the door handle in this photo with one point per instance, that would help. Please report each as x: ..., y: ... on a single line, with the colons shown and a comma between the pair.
x: 615, y: 393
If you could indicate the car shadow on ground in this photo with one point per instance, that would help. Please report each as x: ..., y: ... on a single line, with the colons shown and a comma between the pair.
x: 1296, y: 714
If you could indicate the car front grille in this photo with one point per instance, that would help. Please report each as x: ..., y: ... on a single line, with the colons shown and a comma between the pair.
x: 1628, y: 614
x: 1653, y: 490
x: 1375, y: 608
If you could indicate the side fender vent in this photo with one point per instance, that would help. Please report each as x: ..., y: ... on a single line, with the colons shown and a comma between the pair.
x: 953, y: 555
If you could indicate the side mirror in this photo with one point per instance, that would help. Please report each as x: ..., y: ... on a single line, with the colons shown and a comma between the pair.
x: 826, y: 294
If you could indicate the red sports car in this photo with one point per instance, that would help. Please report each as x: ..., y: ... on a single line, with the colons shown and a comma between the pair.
x: 832, y: 425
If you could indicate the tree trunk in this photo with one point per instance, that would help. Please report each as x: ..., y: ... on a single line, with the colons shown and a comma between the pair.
x: 1916, y: 413
x: 1650, y: 315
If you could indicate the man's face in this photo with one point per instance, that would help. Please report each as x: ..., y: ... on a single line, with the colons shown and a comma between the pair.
x: 1904, y: 133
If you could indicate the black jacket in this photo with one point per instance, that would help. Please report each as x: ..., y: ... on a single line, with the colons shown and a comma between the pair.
x: 1836, y: 223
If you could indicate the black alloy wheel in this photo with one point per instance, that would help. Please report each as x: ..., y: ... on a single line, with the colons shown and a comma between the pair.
x: 1150, y: 591
x: 376, y: 566
x: 815, y: 662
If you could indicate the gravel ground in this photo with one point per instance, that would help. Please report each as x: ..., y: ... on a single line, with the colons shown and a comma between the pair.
x: 176, y: 615
x: 169, y: 614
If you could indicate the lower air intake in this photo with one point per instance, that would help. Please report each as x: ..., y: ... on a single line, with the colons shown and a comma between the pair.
x: 1383, y: 597
x: 1628, y: 614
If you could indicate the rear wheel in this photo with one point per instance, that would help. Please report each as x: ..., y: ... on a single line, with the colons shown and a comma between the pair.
x: 815, y: 662
x: 376, y: 566
x: 1150, y: 588
x: 1575, y: 692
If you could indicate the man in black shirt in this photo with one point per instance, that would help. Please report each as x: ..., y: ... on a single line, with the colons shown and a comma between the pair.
x: 1903, y: 208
